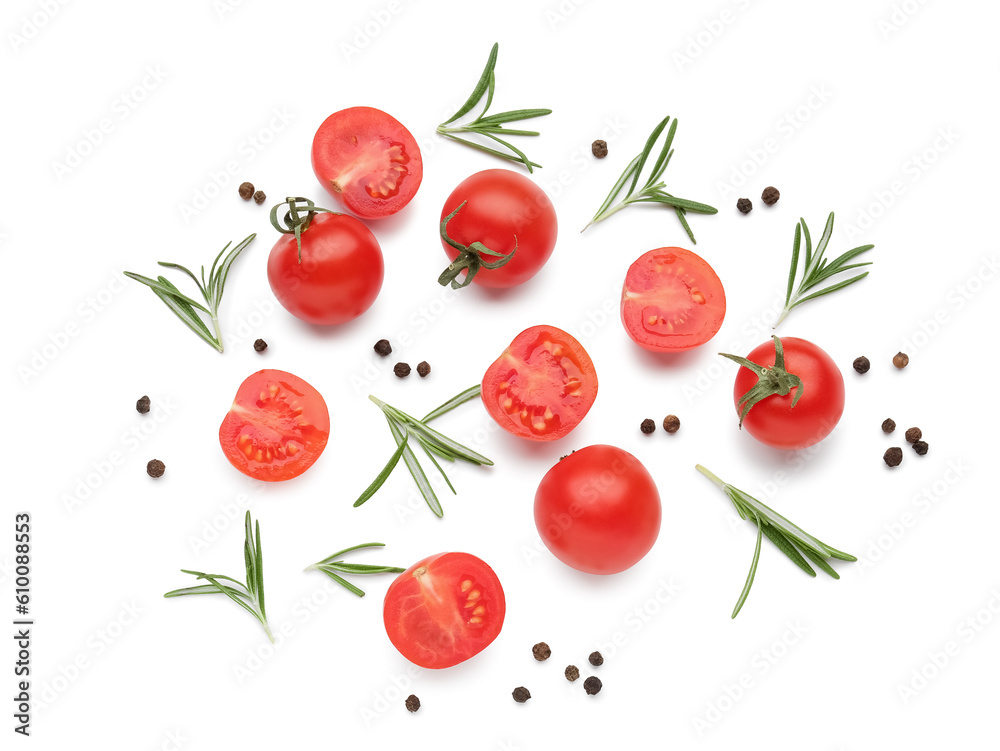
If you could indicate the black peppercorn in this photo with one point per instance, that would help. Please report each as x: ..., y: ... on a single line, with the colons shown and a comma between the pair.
x: 888, y: 425
x: 744, y: 205
x: 260, y: 345
x: 599, y: 148
x: 383, y: 348
x: 246, y: 190
x: 155, y: 468
x: 142, y: 405
x: 920, y: 447
x: 259, y: 197
x: 572, y: 673
x: 893, y: 456
x: 862, y: 364
x: 412, y: 703
x: 423, y: 369
x: 596, y: 659
x: 671, y: 423
x: 401, y: 369
x: 521, y: 694
x: 541, y: 651
x: 593, y: 685
x: 647, y: 426
x: 901, y: 360
x: 770, y: 195
x: 913, y: 434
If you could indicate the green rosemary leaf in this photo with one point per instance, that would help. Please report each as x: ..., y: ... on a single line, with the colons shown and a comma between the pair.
x: 830, y: 270
x: 259, y: 567
x: 171, y: 290
x: 351, y: 549
x: 429, y: 435
x: 508, y: 131
x: 204, y: 589
x: 382, y: 476
x: 809, y: 246
x: 333, y: 567
x: 783, y: 544
x: 477, y: 93
x: 680, y: 203
x: 520, y: 154
x: 416, y: 471
x: 218, y: 282
x: 753, y: 568
x: 444, y: 474
x: 617, y: 188
x: 190, y: 319
x: 364, y: 568
x: 820, y: 562
x: 342, y: 581
x: 512, y: 115
x: 684, y: 223
x: 470, y: 393
x: 184, y: 270
x: 487, y: 149
x: 644, y: 155
x: 828, y: 290
x: 661, y: 162
x: 795, y: 262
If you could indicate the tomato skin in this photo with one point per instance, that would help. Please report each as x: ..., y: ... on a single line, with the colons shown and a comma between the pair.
x: 542, y: 386
x: 368, y: 161
x: 282, y: 417
x: 679, y: 289
x: 598, y: 510
x: 431, y: 610
x: 502, y: 206
x: 340, y: 274
x: 773, y: 420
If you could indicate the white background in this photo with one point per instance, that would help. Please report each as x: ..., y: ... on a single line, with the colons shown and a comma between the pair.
x: 892, y: 77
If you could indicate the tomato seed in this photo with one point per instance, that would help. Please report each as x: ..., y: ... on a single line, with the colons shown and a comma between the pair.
x: 862, y: 364
x: 593, y: 685
x: 423, y: 369
x: 888, y: 425
x: 155, y: 468
x: 599, y: 148
x: 647, y: 426
x: 901, y: 360
x: 894, y: 456
x: 246, y: 191
x: 744, y: 205
x: 770, y: 195
x: 541, y: 651
x: 260, y: 345
x: 142, y: 405
x: 920, y: 447
x: 671, y: 423
x: 913, y: 434
x: 596, y: 659
x: 401, y: 369
x: 521, y: 694
x: 383, y: 348
x: 572, y: 673
x: 412, y: 703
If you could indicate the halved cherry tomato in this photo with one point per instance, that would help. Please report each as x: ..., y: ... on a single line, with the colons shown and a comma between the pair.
x: 672, y: 300
x: 338, y: 276
x: 277, y: 427
x: 598, y: 510
x: 367, y: 161
x: 444, y: 609
x: 503, y: 210
x: 542, y: 386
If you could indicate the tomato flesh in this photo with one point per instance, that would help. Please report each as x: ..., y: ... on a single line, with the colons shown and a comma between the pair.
x: 503, y: 210
x: 277, y: 427
x: 444, y: 609
x: 773, y: 420
x: 672, y: 301
x: 542, y: 386
x: 598, y: 510
x: 339, y: 275
x: 368, y: 161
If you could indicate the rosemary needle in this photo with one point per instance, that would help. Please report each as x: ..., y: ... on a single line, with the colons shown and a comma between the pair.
x: 333, y: 567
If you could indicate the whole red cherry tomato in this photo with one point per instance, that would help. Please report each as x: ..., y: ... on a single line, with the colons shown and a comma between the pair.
x: 505, y: 212
x: 598, y: 510
x: 335, y: 277
x: 797, y: 397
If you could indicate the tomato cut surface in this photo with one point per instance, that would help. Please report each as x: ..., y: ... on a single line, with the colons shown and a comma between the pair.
x: 598, y: 510
x: 444, y: 609
x: 672, y: 300
x: 542, y: 386
x: 367, y: 161
x: 277, y: 427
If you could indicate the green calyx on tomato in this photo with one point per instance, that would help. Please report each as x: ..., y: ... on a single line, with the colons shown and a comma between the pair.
x: 771, y: 381
x: 294, y: 224
x: 470, y: 257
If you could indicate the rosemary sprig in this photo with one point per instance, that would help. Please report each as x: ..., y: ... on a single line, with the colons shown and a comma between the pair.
x: 332, y: 566
x: 250, y: 596
x: 405, y: 430
x: 489, y: 126
x: 653, y: 191
x: 787, y: 537
x: 817, y: 269
x: 211, y: 290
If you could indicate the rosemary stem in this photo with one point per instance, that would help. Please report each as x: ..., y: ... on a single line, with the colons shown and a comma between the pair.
x: 601, y: 217
x: 218, y: 331
x: 714, y: 478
